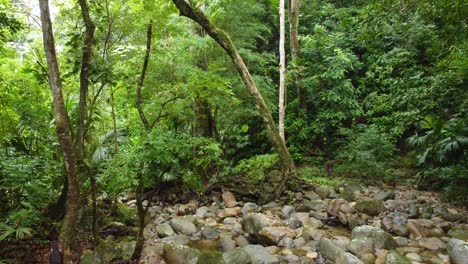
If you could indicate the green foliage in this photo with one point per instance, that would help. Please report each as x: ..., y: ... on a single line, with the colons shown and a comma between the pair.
x: 19, y: 223
x: 256, y: 167
x: 368, y: 154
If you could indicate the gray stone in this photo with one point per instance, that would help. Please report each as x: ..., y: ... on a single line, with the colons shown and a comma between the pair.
x: 371, y: 207
x: 413, y: 211
x: 384, y: 195
x: 286, y: 242
x: 432, y: 243
x: 287, y: 210
x: 236, y: 256
x: 201, y: 212
x: 226, y: 242
x: 458, y: 251
x: 394, y: 258
x: 324, y: 191
x: 382, y: 239
x: 270, y: 205
x: 401, y: 230
x: 311, y: 196
x: 349, y: 258
x: 241, y: 241
x: 249, y: 207
x: 330, y: 250
x: 360, y: 246
x: 229, y: 199
x: 259, y: 255
x: 209, y: 232
x: 182, y: 226
x: 179, y: 254
x: 179, y: 239
x: 253, y: 223
x: 272, y: 235
x: 164, y: 230
x: 335, y: 205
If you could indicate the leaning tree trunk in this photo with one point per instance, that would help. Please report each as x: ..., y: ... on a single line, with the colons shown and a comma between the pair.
x: 282, y: 73
x: 226, y: 43
x: 62, y: 124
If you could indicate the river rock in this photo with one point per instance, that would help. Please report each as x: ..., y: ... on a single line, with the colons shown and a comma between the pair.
x: 226, y: 242
x: 349, y: 258
x: 382, y: 239
x: 178, y: 239
x: 209, y: 232
x: 254, y: 222
x: 330, y: 250
x: 182, y: 226
x: 458, y: 251
x: 335, y: 205
x: 384, y: 195
x: 325, y: 191
x: 371, y: 207
x: 179, y: 254
x: 165, y: 230
x: 229, y: 212
x: 361, y: 246
x: 394, y: 258
x: 287, y: 210
x: 260, y: 255
x: 229, y: 199
x: 249, y: 208
x: 432, y: 243
x: 236, y: 256
x: 272, y: 235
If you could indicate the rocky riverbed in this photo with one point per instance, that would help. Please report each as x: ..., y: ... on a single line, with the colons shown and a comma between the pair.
x: 354, y: 224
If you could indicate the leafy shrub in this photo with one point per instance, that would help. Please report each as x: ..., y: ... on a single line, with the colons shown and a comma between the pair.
x: 19, y: 223
x: 256, y: 167
x: 368, y: 154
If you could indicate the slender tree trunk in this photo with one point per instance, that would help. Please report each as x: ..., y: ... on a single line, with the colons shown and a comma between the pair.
x: 226, y: 43
x: 62, y: 124
x: 114, y: 121
x: 282, y: 72
x: 142, y: 211
x: 143, y: 118
x: 84, y: 80
x: 294, y: 7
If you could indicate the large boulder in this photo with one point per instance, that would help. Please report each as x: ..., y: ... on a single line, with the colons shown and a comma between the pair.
x: 382, y: 239
x: 371, y: 207
x: 164, y: 230
x: 361, y: 246
x: 253, y: 223
x: 229, y: 199
x: 458, y: 251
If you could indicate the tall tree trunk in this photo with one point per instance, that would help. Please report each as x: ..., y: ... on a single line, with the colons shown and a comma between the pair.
x: 294, y: 7
x: 62, y: 124
x: 143, y: 118
x: 84, y: 80
x: 226, y: 43
x: 114, y: 121
x: 282, y: 73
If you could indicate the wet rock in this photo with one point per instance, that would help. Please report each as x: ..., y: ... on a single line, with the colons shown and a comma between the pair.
x: 371, y: 207
x: 236, y: 256
x: 165, y: 230
x: 384, y: 195
x: 382, y: 239
x: 182, y: 226
x: 209, y: 232
x: 179, y: 254
x: 361, y: 246
x: 229, y: 199
x: 330, y: 250
x: 272, y: 235
x: 394, y: 258
x: 458, y: 251
x: 259, y: 254
x: 210, y: 257
x: 249, y: 207
x: 287, y: 210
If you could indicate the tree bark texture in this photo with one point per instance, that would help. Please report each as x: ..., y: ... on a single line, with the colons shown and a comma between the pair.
x: 62, y: 124
x: 143, y: 118
x: 282, y: 72
x: 226, y: 43
x: 84, y: 78
x: 294, y: 9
